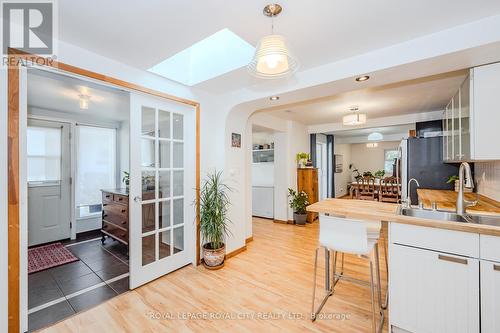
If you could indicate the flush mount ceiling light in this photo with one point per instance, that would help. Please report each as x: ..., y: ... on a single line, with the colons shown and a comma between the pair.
x: 362, y: 78
x: 375, y: 136
x: 355, y: 118
x: 372, y: 145
x: 84, y: 101
x: 272, y: 57
x: 274, y: 98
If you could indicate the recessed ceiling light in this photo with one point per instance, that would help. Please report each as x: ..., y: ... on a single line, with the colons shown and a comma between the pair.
x: 274, y: 98
x: 362, y: 78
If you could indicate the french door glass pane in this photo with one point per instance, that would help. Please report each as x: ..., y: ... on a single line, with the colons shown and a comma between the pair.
x: 148, y: 249
x: 178, y: 126
x: 178, y: 155
x: 44, y: 153
x: 164, y: 124
x: 164, y: 214
x: 148, y: 184
x: 178, y: 211
x: 148, y: 153
x: 164, y: 184
x: 178, y: 239
x: 178, y: 183
x: 148, y: 121
x: 165, y: 243
x: 165, y: 154
x: 148, y: 217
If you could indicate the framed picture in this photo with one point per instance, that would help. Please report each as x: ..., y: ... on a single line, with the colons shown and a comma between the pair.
x: 236, y: 140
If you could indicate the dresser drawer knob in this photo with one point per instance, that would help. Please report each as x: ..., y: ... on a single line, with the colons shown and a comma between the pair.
x: 124, y: 210
x: 108, y: 196
x: 124, y: 222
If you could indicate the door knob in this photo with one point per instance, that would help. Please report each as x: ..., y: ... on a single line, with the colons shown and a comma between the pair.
x: 137, y: 199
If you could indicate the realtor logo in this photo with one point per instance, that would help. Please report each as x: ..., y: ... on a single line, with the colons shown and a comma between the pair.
x: 28, y: 26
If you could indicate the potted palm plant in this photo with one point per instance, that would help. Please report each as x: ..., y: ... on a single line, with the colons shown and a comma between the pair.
x: 298, y: 202
x: 214, y: 204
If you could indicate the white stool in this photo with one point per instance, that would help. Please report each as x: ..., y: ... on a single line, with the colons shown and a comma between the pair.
x: 355, y: 237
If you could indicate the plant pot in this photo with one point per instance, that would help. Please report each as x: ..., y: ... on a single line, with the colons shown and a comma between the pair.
x: 300, y: 219
x: 213, y: 258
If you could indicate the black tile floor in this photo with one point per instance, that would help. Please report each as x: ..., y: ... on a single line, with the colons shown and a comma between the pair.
x: 59, y: 292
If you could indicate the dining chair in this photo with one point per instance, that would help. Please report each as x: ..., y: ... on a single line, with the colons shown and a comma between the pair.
x: 367, y: 189
x: 389, y: 190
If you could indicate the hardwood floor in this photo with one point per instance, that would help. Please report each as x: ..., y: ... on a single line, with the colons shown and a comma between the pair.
x: 267, y: 288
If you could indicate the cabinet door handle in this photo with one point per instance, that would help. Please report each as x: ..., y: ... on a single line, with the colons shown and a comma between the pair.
x: 496, y: 268
x: 452, y: 259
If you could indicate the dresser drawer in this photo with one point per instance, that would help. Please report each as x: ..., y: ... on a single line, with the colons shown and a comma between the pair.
x: 118, y: 220
x: 490, y: 247
x: 121, y: 199
x: 107, y: 197
x: 117, y: 210
x: 115, y: 232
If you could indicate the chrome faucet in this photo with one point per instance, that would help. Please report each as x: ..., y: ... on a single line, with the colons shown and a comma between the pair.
x: 407, y: 202
x: 462, y: 204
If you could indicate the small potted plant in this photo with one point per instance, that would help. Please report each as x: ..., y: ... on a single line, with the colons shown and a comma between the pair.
x: 298, y: 202
x: 355, y: 172
x: 302, y: 159
x: 126, y: 179
x: 380, y: 174
x: 214, y: 204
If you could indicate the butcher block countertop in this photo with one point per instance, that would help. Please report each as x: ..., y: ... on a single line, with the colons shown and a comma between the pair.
x: 382, y: 211
x: 446, y: 200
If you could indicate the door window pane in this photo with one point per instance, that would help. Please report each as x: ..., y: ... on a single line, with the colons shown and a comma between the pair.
x: 147, y: 153
x: 44, y: 153
x: 148, y: 121
x: 165, y: 242
x: 164, y: 183
x: 96, y: 164
x: 178, y: 239
x: 165, y: 154
x: 164, y: 214
x: 148, y: 249
x: 164, y: 124
x: 178, y: 183
x: 178, y: 126
x: 148, y: 185
x: 178, y: 155
x: 178, y: 211
x: 148, y: 217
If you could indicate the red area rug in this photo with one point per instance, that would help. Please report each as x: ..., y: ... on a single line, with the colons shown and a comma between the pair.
x: 47, y: 256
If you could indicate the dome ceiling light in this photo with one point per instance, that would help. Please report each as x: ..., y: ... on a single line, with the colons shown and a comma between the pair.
x: 273, y: 59
x: 354, y: 118
x: 362, y: 78
x: 375, y: 136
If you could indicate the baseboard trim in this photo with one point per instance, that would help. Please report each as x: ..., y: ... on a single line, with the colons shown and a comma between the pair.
x: 249, y: 239
x: 236, y: 252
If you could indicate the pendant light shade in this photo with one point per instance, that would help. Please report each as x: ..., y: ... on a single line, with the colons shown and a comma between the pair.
x: 354, y: 119
x: 273, y: 59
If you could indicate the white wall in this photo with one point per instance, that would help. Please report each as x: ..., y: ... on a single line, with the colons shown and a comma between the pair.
x: 370, y: 159
x: 342, y: 178
x: 263, y: 173
x: 487, y: 180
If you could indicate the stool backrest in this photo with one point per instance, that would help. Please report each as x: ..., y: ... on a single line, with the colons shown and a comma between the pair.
x: 345, y: 235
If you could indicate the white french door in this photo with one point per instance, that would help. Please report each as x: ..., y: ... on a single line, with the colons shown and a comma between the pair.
x: 162, y: 187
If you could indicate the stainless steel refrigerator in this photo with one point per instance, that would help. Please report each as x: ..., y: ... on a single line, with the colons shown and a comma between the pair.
x: 422, y: 159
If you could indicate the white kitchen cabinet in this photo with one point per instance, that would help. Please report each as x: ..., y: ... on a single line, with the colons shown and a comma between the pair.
x: 490, y: 296
x: 263, y: 201
x: 472, y: 116
x: 433, y: 291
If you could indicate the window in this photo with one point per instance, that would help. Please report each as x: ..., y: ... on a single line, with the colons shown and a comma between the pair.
x: 96, y: 167
x: 390, y: 156
x: 44, y: 154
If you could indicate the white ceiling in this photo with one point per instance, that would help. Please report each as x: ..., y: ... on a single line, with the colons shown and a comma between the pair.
x: 387, y: 130
x: 142, y: 34
x: 414, y: 96
x: 61, y: 93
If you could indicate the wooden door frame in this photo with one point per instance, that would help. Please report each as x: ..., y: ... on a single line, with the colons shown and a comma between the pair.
x: 15, y: 59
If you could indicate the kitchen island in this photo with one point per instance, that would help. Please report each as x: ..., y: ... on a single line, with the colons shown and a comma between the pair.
x: 444, y: 276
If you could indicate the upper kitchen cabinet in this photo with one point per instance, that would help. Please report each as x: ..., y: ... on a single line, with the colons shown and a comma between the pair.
x: 472, y: 117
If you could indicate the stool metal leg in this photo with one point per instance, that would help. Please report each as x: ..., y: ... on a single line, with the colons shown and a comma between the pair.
x: 314, y: 282
x: 385, y: 244
x: 379, y: 283
x: 372, y: 295
x: 329, y: 291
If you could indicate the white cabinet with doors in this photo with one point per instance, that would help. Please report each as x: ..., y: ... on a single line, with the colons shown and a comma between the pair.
x: 471, y: 117
x: 434, y: 283
x: 490, y: 284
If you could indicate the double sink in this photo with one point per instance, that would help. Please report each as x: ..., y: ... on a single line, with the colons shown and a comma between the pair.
x: 449, y: 216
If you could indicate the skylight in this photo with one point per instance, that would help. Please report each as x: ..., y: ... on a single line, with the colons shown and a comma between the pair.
x: 213, y: 56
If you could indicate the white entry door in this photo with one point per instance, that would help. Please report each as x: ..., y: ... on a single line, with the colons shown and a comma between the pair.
x: 48, y: 171
x: 162, y: 187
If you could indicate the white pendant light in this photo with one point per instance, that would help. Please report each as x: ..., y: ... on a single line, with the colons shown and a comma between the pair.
x: 355, y: 118
x: 84, y: 101
x: 375, y: 136
x: 273, y: 58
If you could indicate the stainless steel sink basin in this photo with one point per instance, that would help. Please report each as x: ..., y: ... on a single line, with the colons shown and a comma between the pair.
x: 449, y: 216
x: 433, y: 215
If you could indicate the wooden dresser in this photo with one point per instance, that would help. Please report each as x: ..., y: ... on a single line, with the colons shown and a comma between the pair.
x: 307, y: 181
x: 115, y: 215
